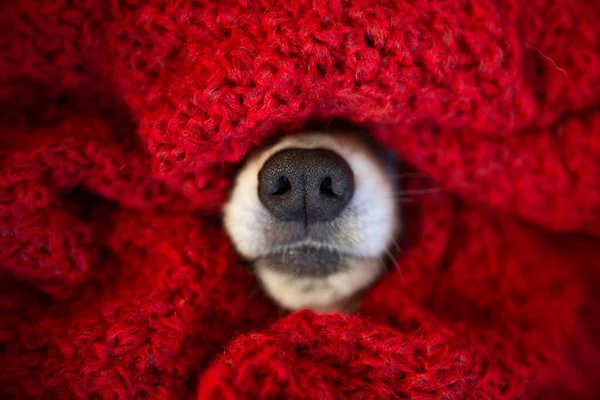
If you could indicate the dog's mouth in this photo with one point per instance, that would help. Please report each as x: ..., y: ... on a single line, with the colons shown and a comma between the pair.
x: 305, y: 261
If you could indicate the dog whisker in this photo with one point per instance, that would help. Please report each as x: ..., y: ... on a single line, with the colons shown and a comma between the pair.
x: 417, y: 192
x: 410, y: 175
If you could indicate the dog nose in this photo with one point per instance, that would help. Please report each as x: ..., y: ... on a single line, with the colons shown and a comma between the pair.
x: 305, y: 184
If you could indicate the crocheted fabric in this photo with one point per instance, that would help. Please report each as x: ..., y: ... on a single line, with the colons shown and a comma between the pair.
x: 122, y: 124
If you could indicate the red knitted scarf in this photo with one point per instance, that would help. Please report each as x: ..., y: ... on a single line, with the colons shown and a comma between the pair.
x: 122, y: 123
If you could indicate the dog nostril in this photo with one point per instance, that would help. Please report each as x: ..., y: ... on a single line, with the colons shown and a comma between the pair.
x: 283, y: 186
x: 326, y: 188
x: 305, y: 184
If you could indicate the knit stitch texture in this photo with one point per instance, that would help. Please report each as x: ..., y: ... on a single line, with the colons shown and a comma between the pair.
x: 122, y: 124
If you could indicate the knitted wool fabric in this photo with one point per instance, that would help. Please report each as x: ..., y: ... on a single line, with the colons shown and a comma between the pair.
x: 122, y: 123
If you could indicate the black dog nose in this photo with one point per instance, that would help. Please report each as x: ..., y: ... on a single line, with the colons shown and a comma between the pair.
x: 305, y: 184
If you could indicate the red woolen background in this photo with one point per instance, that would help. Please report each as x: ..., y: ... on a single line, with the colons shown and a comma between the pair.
x: 122, y: 123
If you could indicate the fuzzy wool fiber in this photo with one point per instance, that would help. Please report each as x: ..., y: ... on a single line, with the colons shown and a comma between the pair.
x: 122, y: 123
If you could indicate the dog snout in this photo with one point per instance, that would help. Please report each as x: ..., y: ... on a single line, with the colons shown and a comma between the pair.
x: 305, y: 185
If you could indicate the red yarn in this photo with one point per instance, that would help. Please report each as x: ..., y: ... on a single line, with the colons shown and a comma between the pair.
x: 122, y: 123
